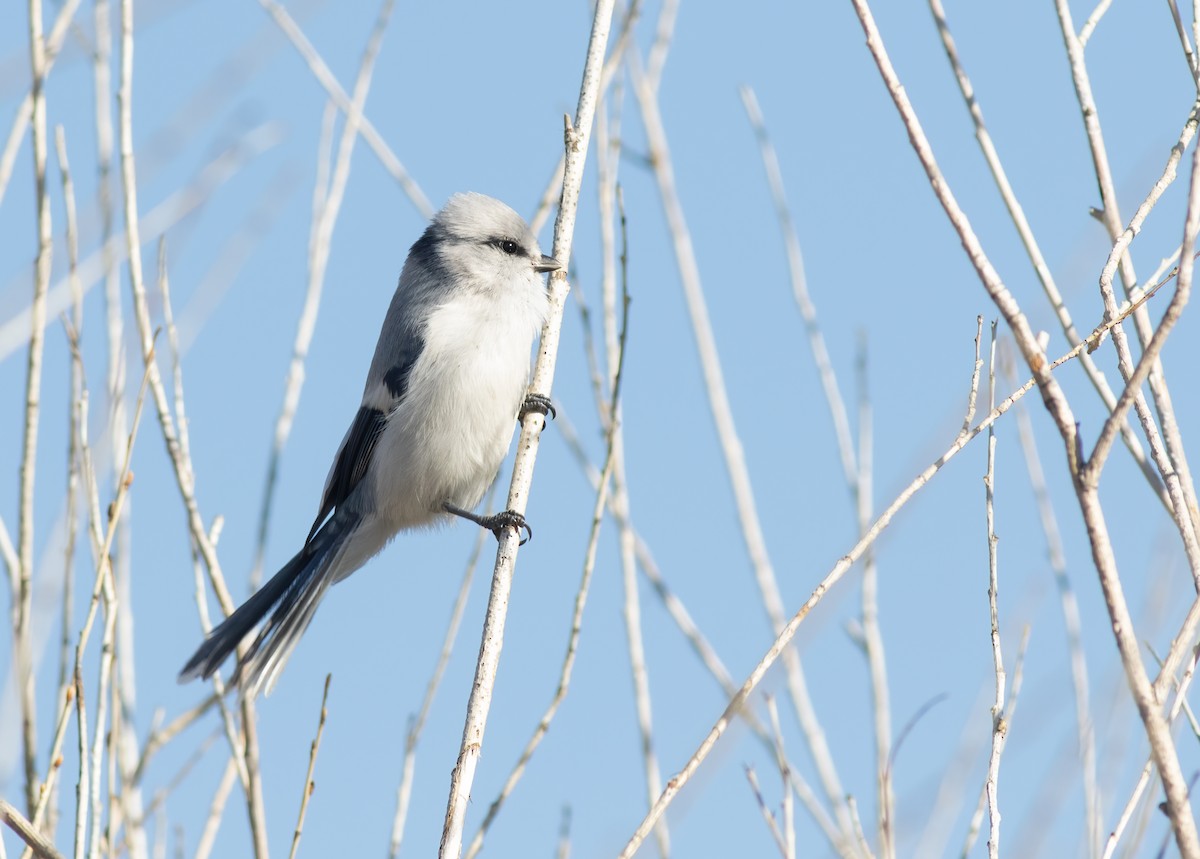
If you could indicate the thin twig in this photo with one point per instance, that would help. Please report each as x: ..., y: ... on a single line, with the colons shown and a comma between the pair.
x: 1185, y: 43
x: 632, y: 612
x: 767, y: 814
x: 81, y: 783
x: 785, y: 770
x: 863, y: 493
x: 216, y: 809
x: 999, y: 724
x: 370, y: 135
x: 1089, y: 26
x: 74, y: 328
x: 25, y: 111
x: 159, y: 737
x: 1006, y: 722
x: 1072, y: 625
x: 14, y: 331
x: 808, y: 311
x: 309, y: 784
x: 22, y: 595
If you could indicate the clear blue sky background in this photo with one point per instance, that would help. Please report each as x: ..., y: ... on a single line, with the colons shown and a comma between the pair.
x: 471, y: 97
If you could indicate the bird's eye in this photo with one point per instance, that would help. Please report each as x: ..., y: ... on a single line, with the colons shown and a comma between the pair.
x: 508, y: 246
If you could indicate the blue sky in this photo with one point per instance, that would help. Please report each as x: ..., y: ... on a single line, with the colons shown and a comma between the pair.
x: 471, y: 97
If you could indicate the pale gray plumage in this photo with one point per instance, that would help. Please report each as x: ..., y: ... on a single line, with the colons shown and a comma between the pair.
x: 437, y: 417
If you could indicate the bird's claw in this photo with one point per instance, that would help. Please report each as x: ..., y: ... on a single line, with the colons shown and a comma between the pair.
x: 508, y: 519
x: 539, y: 403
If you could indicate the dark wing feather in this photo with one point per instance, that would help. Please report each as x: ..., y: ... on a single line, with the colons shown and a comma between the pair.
x: 354, y: 456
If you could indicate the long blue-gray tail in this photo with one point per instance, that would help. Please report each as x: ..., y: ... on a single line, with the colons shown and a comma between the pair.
x: 294, y: 593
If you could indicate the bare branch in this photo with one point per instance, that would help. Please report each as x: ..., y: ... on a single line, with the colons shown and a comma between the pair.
x: 309, y: 784
x: 577, y: 136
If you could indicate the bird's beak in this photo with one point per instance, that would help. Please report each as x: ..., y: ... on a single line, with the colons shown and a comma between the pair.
x: 546, y: 264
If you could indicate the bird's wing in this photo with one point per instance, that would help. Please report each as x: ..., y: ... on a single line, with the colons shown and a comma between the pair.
x: 358, y: 447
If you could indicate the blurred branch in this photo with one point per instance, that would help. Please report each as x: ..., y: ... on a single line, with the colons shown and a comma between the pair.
x: 767, y: 815
x: 731, y: 446
x: 14, y: 332
x: 28, y: 832
x: 48, y: 52
x: 22, y: 596
x: 309, y: 784
x: 999, y: 723
x: 217, y: 808
x: 1085, y: 731
x: 362, y: 125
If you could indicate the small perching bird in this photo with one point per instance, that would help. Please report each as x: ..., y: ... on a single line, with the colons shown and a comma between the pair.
x: 445, y: 387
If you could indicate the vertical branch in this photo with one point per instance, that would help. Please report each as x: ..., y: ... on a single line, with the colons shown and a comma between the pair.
x: 66, y: 680
x: 804, y: 303
x: 872, y: 634
x: 577, y: 136
x: 607, y: 160
x: 767, y: 814
x: 1086, y: 736
x: 117, y: 417
x: 52, y: 43
x: 309, y: 784
x: 23, y: 594
x: 81, y: 782
x: 216, y: 809
x: 1005, y: 721
x: 999, y: 725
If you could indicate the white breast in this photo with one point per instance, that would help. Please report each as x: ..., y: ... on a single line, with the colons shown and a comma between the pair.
x: 448, y: 437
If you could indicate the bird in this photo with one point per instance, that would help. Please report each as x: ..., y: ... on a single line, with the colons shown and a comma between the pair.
x: 446, y: 385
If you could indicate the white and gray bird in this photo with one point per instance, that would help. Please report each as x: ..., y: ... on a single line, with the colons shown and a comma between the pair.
x: 438, y: 411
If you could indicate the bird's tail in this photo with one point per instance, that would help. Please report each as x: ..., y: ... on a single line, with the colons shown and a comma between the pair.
x: 293, y: 593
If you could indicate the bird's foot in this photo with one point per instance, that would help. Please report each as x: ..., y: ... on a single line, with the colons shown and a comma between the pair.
x: 495, y: 523
x: 539, y: 403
